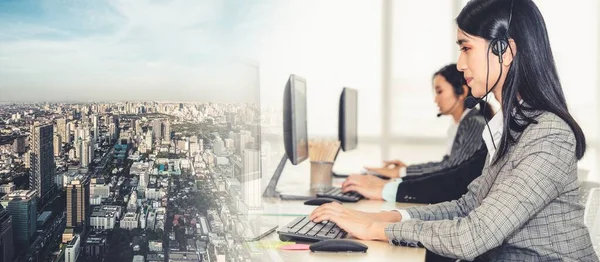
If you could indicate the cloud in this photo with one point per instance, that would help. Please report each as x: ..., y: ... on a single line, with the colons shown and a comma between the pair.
x: 129, y: 49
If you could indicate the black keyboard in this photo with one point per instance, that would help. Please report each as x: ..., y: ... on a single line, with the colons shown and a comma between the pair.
x: 339, y: 175
x: 304, y: 230
x: 336, y: 193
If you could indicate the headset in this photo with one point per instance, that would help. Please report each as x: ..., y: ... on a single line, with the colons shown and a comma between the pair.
x: 498, y: 47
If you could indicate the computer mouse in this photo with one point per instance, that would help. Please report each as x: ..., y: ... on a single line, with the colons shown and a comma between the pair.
x: 338, y: 245
x: 319, y: 201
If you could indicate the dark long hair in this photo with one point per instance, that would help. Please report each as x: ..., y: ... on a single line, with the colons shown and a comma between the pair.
x: 532, y: 75
x: 457, y: 81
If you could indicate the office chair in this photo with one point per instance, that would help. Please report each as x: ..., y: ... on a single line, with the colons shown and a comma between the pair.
x: 584, y: 190
x: 592, y: 217
x: 582, y: 174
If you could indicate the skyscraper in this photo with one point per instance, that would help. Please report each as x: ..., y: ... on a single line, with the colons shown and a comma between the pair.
x: 6, y: 235
x: 86, y: 152
x: 61, y: 126
x: 157, y: 129
x: 112, y: 130
x: 241, y: 141
x: 78, y: 144
x: 22, y: 206
x: 78, y: 203
x: 41, y: 176
x: 132, y: 126
x: 19, y: 145
x: 251, y: 179
x: 57, y: 144
x: 138, y: 127
x: 95, y: 126
x: 67, y: 137
x: 167, y: 131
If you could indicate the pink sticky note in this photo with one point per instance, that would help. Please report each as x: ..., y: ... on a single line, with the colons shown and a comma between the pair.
x: 295, y: 247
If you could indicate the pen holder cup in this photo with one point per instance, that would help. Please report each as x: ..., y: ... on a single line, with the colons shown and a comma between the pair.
x: 321, y: 176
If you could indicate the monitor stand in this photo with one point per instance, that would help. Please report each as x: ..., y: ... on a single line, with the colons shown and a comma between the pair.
x: 271, y: 190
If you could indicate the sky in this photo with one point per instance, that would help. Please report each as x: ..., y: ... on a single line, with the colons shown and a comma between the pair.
x: 80, y: 50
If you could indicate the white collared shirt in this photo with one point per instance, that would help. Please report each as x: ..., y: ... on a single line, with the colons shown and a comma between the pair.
x: 453, y: 130
x: 496, y: 126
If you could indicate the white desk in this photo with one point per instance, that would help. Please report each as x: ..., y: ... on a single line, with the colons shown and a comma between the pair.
x: 283, y: 212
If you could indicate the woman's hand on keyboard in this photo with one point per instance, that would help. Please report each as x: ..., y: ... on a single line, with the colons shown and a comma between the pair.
x: 361, y: 225
x: 369, y: 186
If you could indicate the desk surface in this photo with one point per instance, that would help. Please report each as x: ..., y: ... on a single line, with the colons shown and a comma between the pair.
x: 283, y: 212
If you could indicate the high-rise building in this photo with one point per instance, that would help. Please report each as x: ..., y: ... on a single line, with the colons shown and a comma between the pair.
x: 27, y: 159
x: 70, y: 127
x: 6, y: 235
x: 78, y: 148
x: 251, y: 179
x: 78, y: 203
x: 22, y: 206
x: 167, y: 131
x: 219, y: 146
x: 157, y: 129
x: 241, y: 141
x: 61, y: 126
x: 87, y: 152
x: 96, y: 128
x: 148, y: 140
x: 138, y: 127
x: 112, y: 130
x: 228, y: 143
x: 41, y: 178
x: 72, y: 249
x: 81, y: 133
x: 19, y: 145
x: 57, y: 144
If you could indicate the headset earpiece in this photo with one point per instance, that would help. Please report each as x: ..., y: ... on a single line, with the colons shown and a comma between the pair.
x: 499, y: 47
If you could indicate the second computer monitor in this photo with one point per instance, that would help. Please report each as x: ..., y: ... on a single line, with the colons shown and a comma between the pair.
x: 348, y: 119
x: 294, y: 120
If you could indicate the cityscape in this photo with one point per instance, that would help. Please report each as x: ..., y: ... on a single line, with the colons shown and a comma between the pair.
x: 129, y: 181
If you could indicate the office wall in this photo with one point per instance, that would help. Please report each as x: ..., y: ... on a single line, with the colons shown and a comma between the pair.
x: 332, y: 44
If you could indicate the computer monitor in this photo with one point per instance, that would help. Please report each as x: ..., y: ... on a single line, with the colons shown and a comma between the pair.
x: 348, y: 119
x: 295, y: 135
x: 294, y: 120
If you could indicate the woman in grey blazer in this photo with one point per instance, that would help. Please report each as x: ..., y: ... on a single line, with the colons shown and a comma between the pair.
x: 524, y: 206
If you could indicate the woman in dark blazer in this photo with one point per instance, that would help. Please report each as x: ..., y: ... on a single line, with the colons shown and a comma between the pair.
x: 464, y: 140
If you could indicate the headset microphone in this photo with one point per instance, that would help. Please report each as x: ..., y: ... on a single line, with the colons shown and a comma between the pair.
x: 471, y: 102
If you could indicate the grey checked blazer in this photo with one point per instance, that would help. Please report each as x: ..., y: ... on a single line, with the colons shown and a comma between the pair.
x: 467, y: 141
x: 524, y: 208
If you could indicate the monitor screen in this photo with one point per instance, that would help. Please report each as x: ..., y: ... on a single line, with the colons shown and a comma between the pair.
x: 300, y: 129
x: 348, y: 119
x: 294, y: 120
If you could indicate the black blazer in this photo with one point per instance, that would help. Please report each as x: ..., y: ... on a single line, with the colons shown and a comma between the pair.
x: 441, y: 186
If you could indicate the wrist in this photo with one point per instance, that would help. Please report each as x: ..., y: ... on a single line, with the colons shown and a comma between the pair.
x: 377, y: 230
x: 390, y: 216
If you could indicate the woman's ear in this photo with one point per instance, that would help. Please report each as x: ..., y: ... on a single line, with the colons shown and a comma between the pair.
x: 465, y: 92
x: 508, y: 56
